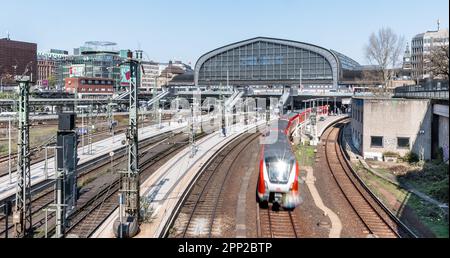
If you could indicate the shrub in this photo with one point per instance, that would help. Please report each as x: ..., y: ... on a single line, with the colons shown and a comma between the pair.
x: 3, y: 148
x: 411, y: 157
x: 439, y: 190
x: 391, y: 154
x: 440, y: 154
x: 432, y: 179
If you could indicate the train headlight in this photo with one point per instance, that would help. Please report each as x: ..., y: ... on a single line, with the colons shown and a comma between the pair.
x: 281, y: 166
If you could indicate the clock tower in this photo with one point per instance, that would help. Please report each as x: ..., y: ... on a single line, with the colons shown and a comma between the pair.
x: 407, y: 59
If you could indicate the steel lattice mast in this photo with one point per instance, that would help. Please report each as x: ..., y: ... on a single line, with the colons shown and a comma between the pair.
x: 22, y: 212
x: 129, y: 226
x: 109, y: 111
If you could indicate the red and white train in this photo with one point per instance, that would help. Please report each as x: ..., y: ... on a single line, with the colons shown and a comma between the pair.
x: 278, y: 181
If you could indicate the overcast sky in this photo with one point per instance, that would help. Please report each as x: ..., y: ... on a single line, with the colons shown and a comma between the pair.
x: 184, y: 30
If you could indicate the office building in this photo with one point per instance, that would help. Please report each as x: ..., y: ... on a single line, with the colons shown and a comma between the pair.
x: 421, y: 46
x: 17, y: 58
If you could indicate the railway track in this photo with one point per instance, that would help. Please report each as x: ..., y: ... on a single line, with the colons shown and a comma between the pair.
x: 273, y: 223
x: 199, y: 209
x: 39, y: 202
x: 96, y: 210
x: 378, y: 220
x: 38, y: 154
x: 43, y: 195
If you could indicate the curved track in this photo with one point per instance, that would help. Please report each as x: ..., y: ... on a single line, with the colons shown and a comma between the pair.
x: 198, y: 212
x: 379, y: 222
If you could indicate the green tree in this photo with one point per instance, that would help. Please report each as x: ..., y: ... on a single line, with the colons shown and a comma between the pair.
x: 51, y: 81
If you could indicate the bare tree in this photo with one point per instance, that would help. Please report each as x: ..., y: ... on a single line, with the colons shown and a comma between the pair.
x: 384, y: 49
x: 436, y: 62
x: 372, y: 77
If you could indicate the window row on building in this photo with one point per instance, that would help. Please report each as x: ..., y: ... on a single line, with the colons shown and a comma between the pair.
x: 391, y: 125
x: 82, y: 89
x: 378, y: 142
x: 96, y: 82
x: 269, y: 61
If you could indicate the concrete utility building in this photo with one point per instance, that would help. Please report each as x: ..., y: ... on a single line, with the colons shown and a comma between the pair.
x: 440, y: 132
x: 268, y: 61
x: 380, y: 125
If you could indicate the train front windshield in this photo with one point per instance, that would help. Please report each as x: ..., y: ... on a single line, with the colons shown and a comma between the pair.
x: 279, y: 170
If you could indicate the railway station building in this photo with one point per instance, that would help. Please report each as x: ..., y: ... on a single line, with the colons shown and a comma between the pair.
x: 270, y: 62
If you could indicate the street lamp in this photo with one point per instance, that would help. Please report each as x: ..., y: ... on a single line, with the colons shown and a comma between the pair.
x: 159, y: 118
x: 9, y: 149
x: 301, y: 77
x: 1, y: 80
x: 335, y: 108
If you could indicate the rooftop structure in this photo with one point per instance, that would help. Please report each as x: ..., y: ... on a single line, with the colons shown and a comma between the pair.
x: 270, y: 61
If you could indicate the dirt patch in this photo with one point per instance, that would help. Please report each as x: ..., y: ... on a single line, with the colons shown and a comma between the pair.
x: 399, y: 169
x: 394, y: 168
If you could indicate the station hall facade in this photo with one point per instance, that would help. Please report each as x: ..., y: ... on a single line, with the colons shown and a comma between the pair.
x: 265, y: 61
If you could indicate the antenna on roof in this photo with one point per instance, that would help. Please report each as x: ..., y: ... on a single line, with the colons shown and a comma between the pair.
x: 7, y: 35
x: 439, y: 24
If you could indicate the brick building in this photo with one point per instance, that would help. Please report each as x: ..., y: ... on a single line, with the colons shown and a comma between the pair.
x: 90, y: 87
x: 15, y: 56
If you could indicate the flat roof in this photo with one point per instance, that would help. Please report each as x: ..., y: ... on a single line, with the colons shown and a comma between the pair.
x: 387, y: 98
x: 7, y: 40
x: 90, y: 78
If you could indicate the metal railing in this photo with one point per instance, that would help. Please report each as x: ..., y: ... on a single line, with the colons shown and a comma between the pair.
x: 430, y: 90
x: 157, y: 98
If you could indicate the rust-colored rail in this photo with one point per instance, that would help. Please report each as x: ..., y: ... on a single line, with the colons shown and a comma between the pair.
x: 95, y: 211
x: 372, y: 213
x: 205, y: 196
x: 274, y: 223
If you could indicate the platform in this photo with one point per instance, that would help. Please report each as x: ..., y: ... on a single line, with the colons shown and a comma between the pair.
x: 329, y: 120
x: 165, y: 187
x: 100, y: 148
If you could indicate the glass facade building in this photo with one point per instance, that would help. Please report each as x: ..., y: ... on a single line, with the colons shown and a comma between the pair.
x: 267, y: 61
x: 94, y: 64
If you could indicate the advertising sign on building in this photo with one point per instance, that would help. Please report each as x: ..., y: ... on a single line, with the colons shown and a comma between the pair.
x: 77, y: 70
x: 125, y: 75
x: 347, y: 101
